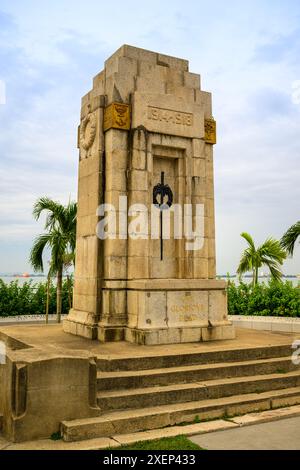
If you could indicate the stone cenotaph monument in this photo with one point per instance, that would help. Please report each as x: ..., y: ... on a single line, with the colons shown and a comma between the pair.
x: 145, y: 251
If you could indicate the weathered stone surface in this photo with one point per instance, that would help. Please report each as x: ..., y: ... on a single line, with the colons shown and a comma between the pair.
x: 217, y: 306
x: 192, y: 80
x: 218, y: 332
x: 30, y: 373
x: 188, y: 430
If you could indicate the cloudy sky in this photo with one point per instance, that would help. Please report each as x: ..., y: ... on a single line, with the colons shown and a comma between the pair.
x: 248, y: 55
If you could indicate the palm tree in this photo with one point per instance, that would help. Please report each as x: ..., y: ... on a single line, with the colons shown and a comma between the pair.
x: 60, y: 238
x: 270, y: 254
x: 288, y: 240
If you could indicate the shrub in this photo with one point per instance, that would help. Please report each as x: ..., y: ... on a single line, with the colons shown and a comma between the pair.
x: 274, y: 299
x: 30, y: 298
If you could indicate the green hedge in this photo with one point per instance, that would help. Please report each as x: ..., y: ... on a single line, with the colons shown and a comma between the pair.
x: 274, y: 299
x: 30, y: 298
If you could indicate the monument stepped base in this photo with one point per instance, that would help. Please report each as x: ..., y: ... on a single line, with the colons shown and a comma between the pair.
x: 151, y: 392
x: 160, y: 336
x: 100, y: 390
x: 151, y: 337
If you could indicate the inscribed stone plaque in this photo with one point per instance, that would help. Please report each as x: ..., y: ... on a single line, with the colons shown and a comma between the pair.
x: 187, y: 308
x: 167, y: 114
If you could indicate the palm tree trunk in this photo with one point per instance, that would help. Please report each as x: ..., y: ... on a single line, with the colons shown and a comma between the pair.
x: 47, y: 297
x: 255, y: 276
x: 69, y: 292
x: 59, y: 295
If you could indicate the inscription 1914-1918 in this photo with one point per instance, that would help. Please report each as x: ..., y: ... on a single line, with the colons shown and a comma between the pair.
x: 170, y: 116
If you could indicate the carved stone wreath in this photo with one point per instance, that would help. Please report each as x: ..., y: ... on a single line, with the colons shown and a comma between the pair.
x: 87, y: 138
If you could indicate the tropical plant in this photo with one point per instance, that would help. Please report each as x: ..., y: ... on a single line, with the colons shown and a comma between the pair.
x: 269, y: 254
x: 288, y: 240
x: 30, y: 298
x: 265, y: 299
x: 59, y: 238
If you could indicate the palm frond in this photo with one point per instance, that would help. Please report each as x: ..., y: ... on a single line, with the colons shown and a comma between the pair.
x: 44, y: 204
x: 68, y: 260
x: 246, y: 262
x: 272, y: 250
x: 248, y: 239
x: 36, y: 253
x: 275, y: 271
x: 289, y: 239
x: 55, y: 211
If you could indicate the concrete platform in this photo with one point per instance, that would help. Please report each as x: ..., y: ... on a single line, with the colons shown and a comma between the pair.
x: 52, y: 337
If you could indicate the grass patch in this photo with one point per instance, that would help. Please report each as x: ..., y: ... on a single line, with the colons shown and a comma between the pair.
x: 226, y: 416
x: 281, y: 371
x: 196, y: 420
x: 166, y: 443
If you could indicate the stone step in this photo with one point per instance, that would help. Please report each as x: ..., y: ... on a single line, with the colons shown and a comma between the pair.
x: 212, y: 356
x: 180, y: 393
x: 130, y: 421
x: 174, y: 375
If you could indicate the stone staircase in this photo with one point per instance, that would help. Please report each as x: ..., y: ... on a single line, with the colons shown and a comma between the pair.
x: 143, y: 393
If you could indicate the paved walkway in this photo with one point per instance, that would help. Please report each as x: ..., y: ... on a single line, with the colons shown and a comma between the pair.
x: 276, y: 435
